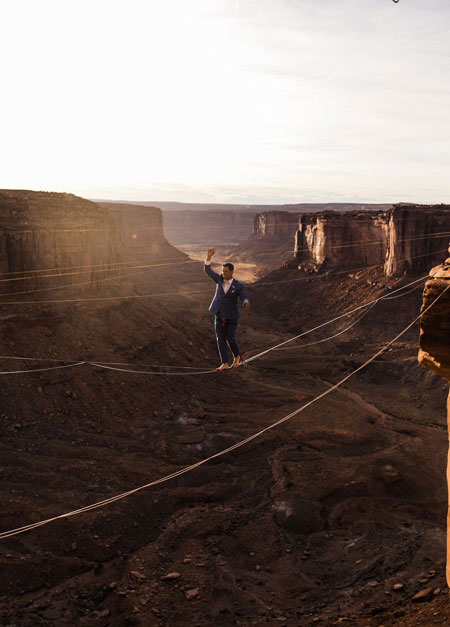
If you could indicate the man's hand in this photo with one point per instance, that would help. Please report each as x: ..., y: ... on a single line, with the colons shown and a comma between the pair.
x: 246, y: 305
x: 211, y: 252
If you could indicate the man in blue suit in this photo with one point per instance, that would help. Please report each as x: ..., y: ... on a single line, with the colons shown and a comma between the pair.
x: 224, y: 306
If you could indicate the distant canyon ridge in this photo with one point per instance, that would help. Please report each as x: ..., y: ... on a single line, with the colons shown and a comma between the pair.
x: 42, y: 230
x: 50, y: 239
x: 405, y: 238
x: 221, y: 224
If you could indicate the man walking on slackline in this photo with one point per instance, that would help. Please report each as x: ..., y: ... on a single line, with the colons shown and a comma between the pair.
x: 224, y: 306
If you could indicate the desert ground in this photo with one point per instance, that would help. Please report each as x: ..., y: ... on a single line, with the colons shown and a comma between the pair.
x: 336, y: 516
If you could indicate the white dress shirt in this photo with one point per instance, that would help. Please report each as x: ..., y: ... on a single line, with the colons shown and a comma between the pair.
x: 226, y: 284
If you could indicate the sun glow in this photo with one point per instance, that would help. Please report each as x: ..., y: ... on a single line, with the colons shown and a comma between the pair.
x: 223, y: 100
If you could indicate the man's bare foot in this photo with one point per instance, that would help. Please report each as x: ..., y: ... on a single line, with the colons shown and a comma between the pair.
x: 224, y: 366
x: 237, y: 361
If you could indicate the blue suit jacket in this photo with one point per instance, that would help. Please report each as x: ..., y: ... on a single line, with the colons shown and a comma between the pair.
x: 226, y: 304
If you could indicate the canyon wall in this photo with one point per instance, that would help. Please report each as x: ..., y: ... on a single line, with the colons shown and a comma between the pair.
x: 418, y: 237
x: 200, y: 223
x: 275, y: 224
x: 207, y: 227
x: 51, y: 239
x: 407, y: 238
x: 434, y: 352
x: 140, y: 231
x: 341, y: 240
x: 271, y: 243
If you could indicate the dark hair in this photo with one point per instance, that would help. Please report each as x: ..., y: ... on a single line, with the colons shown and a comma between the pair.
x: 228, y: 265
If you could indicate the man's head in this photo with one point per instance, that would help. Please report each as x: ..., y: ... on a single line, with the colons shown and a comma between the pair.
x: 227, y: 271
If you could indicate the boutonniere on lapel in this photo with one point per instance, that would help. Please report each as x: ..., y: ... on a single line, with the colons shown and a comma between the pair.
x: 233, y: 289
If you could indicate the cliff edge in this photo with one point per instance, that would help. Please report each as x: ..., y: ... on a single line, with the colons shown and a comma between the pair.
x: 434, y: 352
x: 405, y: 239
x: 71, y: 240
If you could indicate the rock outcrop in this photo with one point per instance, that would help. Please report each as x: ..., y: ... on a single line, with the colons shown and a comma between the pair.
x: 270, y: 244
x: 139, y: 230
x: 418, y: 237
x: 407, y: 238
x: 275, y: 224
x: 342, y: 240
x: 434, y: 352
x: 53, y: 239
x: 195, y: 223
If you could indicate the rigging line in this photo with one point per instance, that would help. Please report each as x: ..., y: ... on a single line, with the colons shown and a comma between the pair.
x: 331, y: 337
x: 344, y: 245
x: 92, y: 266
x: 100, y: 363
x: 380, y: 214
x: 143, y: 264
x: 112, y: 229
x: 95, y: 281
x: 80, y: 230
x: 296, y: 223
x: 358, y: 243
x: 35, y: 359
x: 408, y: 292
x: 78, y: 363
x: 165, y: 374
x: 268, y: 350
x: 120, y: 363
x: 348, y: 245
x: 46, y: 276
x: 181, y: 293
x: 254, y: 436
x: 109, y: 363
x: 348, y: 271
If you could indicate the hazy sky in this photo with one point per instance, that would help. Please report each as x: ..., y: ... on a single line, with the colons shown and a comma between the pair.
x: 227, y: 100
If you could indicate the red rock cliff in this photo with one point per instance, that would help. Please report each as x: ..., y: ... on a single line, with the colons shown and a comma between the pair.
x: 45, y: 230
x: 434, y: 352
x: 342, y: 240
x: 139, y: 230
x: 418, y: 237
x: 407, y: 238
x: 275, y: 224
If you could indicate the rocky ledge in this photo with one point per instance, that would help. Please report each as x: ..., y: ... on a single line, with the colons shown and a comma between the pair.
x: 406, y: 239
x: 434, y: 351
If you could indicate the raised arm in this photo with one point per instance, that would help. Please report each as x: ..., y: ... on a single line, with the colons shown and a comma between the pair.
x: 215, y: 277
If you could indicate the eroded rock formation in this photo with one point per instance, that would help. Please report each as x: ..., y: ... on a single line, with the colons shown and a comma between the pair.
x: 49, y: 239
x: 275, y: 224
x: 434, y: 352
x: 342, y: 240
x: 195, y: 223
x: 270, y: 245
x: 407, y: 238
x: 418, y: 237
x: 139, y: 230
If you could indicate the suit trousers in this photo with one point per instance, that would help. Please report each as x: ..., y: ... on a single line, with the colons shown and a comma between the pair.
x: 225, y: 336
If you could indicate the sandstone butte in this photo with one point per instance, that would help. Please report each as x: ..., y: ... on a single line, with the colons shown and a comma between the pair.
x: 82, y: 241
x: 434, y: 352
x: 404, y: 238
